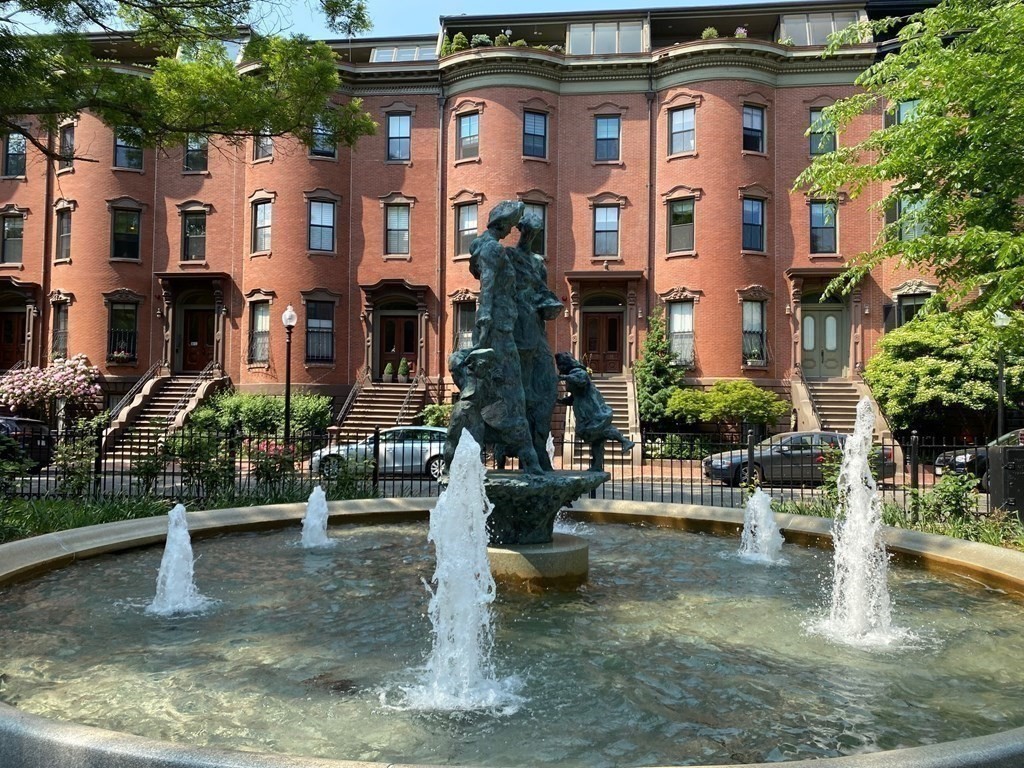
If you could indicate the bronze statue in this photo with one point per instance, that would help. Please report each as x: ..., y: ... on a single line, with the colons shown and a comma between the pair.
x: 593, y: 414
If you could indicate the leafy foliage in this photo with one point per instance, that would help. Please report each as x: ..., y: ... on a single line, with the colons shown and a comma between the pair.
x: 258, y: 413
x: 436, y: 415
x: 944, y: 366
x: 958, y: 158
x: 286, y: 89
x: 655, y: 373
x: 459, y: 43
x: 34, y: 390
x: 730, y: 402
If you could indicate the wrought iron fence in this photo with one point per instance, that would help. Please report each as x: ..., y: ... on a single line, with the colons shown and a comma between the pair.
x: 676, y: 468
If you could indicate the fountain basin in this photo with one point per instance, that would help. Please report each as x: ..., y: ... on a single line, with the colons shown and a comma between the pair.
x: 27, y: 741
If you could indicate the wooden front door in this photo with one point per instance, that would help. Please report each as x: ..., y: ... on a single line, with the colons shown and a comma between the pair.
x: 823, y: 342
x: 602, y: 341
x: 199, y: 333
x: 12, y: 339
x: 398, y: 338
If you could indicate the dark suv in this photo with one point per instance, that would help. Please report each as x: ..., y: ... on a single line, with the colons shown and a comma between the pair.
x: 32, y: 436
x: 974, y: 460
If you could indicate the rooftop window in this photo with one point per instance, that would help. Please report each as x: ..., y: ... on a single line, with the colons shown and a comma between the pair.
x: 403, y: 53
x: 606, y: 37
x: 814, y: 28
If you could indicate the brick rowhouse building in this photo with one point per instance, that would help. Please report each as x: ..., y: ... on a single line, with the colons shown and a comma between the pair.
x: 662, y: 163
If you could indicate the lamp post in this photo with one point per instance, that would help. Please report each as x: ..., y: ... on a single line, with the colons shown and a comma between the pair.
x: 288, y: 320
x: 1000, y: 320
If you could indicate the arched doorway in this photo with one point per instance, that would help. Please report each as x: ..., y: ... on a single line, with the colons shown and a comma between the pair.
x: 824, y: 337
x: 196, y: 332
x: 603, y: 332
x: 397, y: 336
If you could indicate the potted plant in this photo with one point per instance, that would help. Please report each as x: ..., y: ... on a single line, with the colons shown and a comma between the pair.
x: 740, y: 31
x: 403, y: 371
x: 709, y: 33
x: 389, y: 373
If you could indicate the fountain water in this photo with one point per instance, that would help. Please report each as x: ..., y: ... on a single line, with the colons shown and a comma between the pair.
x: 860, y: 613
x: 314, y: 524
x: 761, y: 540
x: 459, y: 674
x: 176, y: 590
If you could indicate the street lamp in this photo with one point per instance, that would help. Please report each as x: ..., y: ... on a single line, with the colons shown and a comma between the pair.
x: 1000, y: 320
x: 288, y: 320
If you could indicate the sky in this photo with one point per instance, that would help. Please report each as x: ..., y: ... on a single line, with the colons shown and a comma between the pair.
x: 416, y: 17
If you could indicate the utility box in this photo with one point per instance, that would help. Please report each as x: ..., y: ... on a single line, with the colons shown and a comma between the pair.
x: 1006, y: 478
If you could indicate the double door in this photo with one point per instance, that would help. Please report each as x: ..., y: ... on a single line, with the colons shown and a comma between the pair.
x: 602, y: 341
x: 399, y: 338
x: 823, y: 342
x: 12, y: 339
x: 199, y: 339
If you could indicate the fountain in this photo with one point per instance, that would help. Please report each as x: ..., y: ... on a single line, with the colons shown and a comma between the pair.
x: 314, y: 524
x: 761, y: 540
x: 176, y: 590
x: 860, y: 610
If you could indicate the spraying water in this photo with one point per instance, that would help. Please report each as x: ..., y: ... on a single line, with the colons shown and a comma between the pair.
x: 459, y: 674
x: 314, y: 524
x: 761, y: 540
x: 860, y: 612
x: 176, y: 590
x: 549, y: 447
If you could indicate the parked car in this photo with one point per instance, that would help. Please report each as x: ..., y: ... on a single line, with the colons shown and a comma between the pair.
x: 787, y: 458
x: 960, y: 461
x: 32, y: 436
x: 402, y: 451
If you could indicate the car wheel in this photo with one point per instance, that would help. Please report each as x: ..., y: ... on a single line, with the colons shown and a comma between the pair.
x: 742, y: 477
x: 330, y: 467
x: 435, y: 467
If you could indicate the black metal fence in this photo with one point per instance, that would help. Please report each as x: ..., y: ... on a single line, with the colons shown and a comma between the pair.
x: 689, y: 468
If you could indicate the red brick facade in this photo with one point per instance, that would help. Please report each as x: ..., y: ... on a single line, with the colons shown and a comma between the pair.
x: 362, y: 302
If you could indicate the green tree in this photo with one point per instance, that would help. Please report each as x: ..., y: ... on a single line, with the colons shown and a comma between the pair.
x: 655, y: 373
x: 941, y: 370
x: 955, y: 159
x: 190, y: 85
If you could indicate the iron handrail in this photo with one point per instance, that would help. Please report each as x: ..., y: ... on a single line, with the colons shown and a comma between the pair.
x: 413, y: 386
x: 810, y: 396
x: 190, y: 393
x: 353, y: 393
x: 131, y: 393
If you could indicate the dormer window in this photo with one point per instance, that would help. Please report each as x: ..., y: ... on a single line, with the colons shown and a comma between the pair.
x: 606, y: 37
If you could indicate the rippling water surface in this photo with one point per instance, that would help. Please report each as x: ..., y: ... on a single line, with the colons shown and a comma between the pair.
x: 674, y: 653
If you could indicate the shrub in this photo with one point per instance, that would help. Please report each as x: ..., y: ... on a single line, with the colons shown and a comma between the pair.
x: 740, y: 32
x: 147, y: 469
x: 35, y: 390
x: 13, y: 465
x: 459, y: 43
x: 273, y: 464
x: 501, y: 40
x: 74, y: 461
x: 389, y: 371
x: 436, y: 415
x: 686, y: 404
x: 738, y: 401
x: 446, y: 45
x: 520, y: 44
x: 481, y: 41
x: 310, y: 412
x: 556, y: 48
x: 403, y: 367
x: 709, y: 33
x: 674, y: 446
x: 655, y: 373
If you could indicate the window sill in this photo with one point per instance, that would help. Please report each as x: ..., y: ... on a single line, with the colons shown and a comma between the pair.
x: 324, y: 364
x: 328, y: 254
x: 62, y: 171
x: 758, y: 366
x: 122, y: 363
x: 617, y: 163
x: 398, y: 162
x: 193, y: 264
x: 13, y: 178
x: 467, y: 160
x: 260, y: 254
x: 751, y: 153
x: 397, y: 257
x: 324, y: 158
x: 762, y: 254
x: 681, y: 255
x: 258, y: 366
x: 195, y: 173
x: 13, y: 265
x: 605, y: 259
x: 462, y: 257
x: 825, y: 257
x: 531, y: 159
x: 682, y: 155
x: 114, y: 260
x: 261, y: 160
x: 119, y: 169
x: 61, y: 261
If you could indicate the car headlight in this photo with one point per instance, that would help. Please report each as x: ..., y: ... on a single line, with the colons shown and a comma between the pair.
x: 963, y: 458
x: 719, y: 463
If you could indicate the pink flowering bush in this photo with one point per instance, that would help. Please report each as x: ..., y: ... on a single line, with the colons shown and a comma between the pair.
x: 35, y: 389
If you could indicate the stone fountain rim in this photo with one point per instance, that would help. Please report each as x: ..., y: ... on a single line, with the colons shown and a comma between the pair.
x: 31, y: 741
